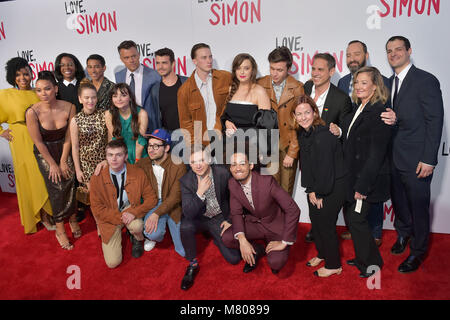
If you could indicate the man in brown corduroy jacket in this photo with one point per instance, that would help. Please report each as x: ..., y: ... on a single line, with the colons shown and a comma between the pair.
x: 120, y: 196
x: 163, y: 175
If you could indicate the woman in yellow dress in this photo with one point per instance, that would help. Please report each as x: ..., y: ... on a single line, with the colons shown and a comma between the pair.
x: 31, y: 192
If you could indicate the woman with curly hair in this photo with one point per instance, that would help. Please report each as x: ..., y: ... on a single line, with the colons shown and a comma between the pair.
x: 31, y: 192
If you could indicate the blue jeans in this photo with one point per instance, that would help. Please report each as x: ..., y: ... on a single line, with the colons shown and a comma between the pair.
x: 158, y: 235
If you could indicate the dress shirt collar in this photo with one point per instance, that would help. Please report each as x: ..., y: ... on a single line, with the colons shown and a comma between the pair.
x: 401, y: 76
x: 74, y: 82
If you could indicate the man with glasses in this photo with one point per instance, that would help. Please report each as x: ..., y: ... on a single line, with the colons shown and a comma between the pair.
x: 164, y: 176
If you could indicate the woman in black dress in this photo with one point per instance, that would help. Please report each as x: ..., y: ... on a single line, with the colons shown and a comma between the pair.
x: 245, y: 98
x: 48, y: 125
x: 324, y: 177
x: 365, y: 142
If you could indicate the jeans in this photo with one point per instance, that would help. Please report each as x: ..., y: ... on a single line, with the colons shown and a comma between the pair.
x: 158, y: 235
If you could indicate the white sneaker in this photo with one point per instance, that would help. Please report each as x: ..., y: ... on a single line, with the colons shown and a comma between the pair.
x: 149, y: 245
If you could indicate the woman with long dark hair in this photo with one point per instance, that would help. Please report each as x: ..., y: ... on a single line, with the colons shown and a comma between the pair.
x: 48, y: 125
x: 125, y: 119
x: 31, y: 192
x: 323, y: 175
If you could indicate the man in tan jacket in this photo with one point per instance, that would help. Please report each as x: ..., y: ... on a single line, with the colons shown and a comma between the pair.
x: 201, y: 98
x: 163, y: 175
x: 116, y: 195
x: 284, y: 91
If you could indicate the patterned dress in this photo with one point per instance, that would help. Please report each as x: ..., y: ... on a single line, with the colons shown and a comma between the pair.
x: 92, y: 137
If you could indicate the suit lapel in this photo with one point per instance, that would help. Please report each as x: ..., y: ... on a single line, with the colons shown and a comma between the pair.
x: 255, y: 192
x: 328, y: 102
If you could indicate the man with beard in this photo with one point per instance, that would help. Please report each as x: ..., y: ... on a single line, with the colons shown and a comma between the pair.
x: 164, y: 92
x: 357, y: 56
x: 260, y: 210
x: 163, y: 175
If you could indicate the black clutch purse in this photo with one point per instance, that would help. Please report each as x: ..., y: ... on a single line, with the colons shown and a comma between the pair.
x: 265, y: 119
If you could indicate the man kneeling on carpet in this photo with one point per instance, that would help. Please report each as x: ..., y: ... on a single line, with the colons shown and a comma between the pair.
x: 260, y: 210
x: 116, y: 201
x: 205, y: 207
x: 164, y: 176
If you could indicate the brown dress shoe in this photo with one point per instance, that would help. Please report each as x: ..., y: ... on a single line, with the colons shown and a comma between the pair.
x: 378, y: 242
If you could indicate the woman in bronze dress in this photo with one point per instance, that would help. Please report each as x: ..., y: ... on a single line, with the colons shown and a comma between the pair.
x: 48, y: 124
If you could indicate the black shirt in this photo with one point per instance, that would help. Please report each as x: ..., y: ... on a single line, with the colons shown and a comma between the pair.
x: 70, y: 94
x: 168, y: 105
x: 321, y: 160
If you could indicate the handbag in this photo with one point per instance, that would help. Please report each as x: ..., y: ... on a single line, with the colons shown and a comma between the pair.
x: 82, y: 195
x: 265, y: 119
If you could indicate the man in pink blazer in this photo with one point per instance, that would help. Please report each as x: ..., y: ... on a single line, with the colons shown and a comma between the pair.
x: 260, y: 210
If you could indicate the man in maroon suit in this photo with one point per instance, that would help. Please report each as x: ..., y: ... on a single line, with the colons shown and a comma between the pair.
x: 260, y: 210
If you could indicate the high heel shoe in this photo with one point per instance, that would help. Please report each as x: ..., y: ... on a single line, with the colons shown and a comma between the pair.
x: 75, y: 228
x: 314, y: 262
x: 325, y: 273
x: 63, y: 240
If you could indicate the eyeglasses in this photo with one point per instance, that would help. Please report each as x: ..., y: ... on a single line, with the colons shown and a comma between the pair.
x: 155, y: 146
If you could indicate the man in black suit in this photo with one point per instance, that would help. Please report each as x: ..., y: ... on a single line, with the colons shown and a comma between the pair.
x: 418, y: 116
x: 205, y: 207
x: 332, y: 102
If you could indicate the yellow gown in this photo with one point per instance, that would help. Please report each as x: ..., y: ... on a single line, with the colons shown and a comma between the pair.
x: 30, y: 187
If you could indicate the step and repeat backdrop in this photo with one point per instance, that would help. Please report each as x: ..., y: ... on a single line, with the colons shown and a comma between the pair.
x: 40, y: 30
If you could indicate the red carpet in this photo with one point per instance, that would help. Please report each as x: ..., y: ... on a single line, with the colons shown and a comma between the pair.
x: 34, y: 267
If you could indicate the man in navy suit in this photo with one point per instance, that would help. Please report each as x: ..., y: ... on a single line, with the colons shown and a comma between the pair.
x: 140, y: 79
x: 356, y: 58
x: 418, y: 116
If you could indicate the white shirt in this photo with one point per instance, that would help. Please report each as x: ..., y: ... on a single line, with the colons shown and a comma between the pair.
x: 66, y: 83
x: 321, y: 100
x: 138, y: 78
x: 119, y: 182
x: 158, y: 171
x: 401, y: 76
x: 208, y: 97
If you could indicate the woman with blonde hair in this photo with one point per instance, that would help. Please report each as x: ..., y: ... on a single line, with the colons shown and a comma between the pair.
x: 365, y: 141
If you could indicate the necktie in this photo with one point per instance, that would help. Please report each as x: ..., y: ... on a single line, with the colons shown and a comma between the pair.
x: 132, y: 85
x: 350, y: 87
x: 119, y: 191
x: 395, y: 93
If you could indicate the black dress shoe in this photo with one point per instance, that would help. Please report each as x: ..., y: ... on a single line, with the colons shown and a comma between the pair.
x: 411, y: 264
x: 189, y: 276
x: 137, y: 247
x: 400, y: 245
x: 260, y: 252
x: 351, y: 262
x: 309, y: 237
x: 366, y: 274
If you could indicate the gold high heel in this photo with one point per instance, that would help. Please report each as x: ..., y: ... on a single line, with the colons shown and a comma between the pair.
x: 75, y: 227
x: 64, y: 243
